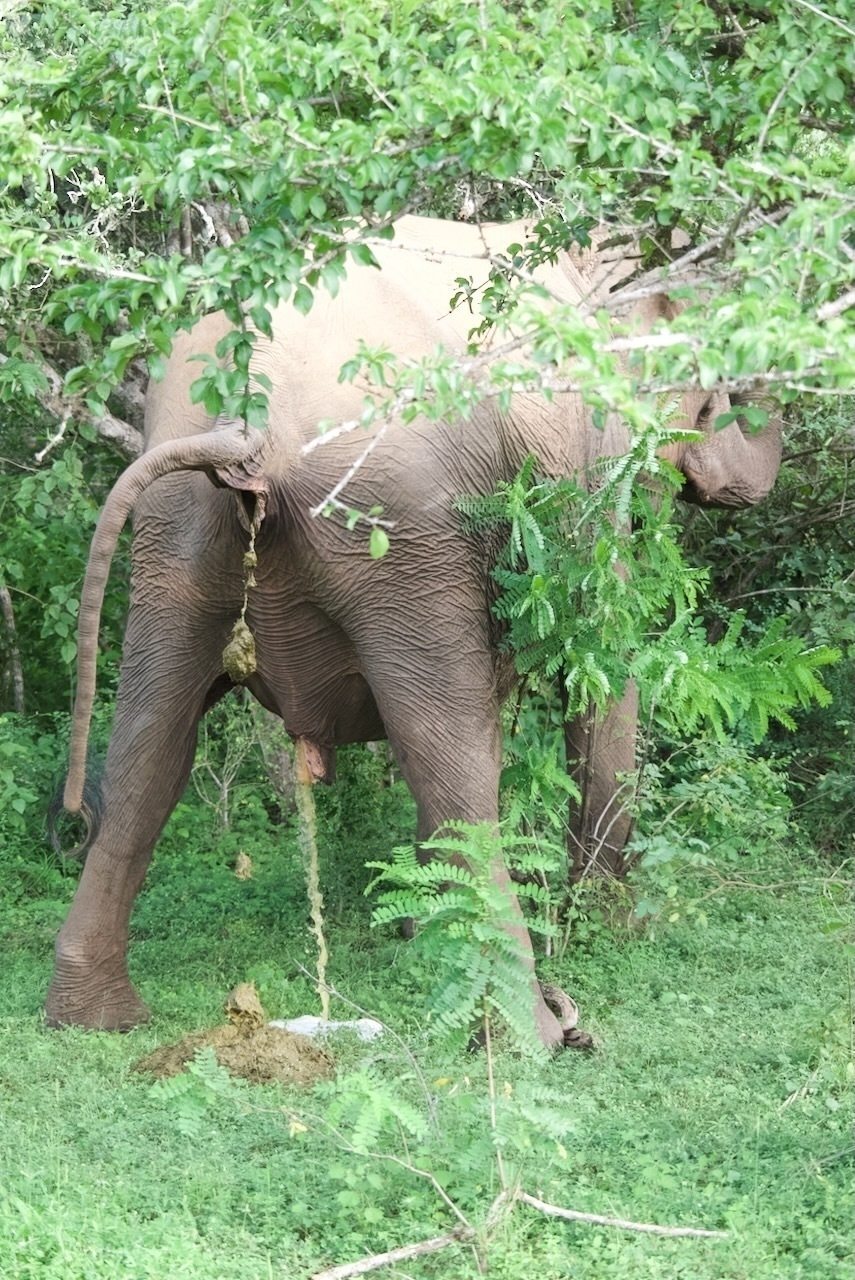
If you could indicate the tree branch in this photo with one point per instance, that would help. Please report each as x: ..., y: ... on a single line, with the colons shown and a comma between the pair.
x: 403, y: 1254
x: 831, y: 309
x: 597, y: 1219
x: 62, y: 407
x: 828, y: 17
x: 501, y: 1205
x: 13, y: 673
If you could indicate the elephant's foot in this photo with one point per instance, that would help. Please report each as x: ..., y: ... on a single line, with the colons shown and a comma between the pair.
x: 99, y: 997
x: 567, y: 1013
x: 549, y: 1028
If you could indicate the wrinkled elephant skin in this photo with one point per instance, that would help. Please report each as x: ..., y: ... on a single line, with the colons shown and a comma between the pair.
x: 348, y: 649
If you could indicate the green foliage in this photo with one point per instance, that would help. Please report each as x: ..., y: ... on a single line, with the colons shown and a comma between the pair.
x: 367, y: 809
x: 275, y: 138
x: 30, y: 880
x: 46, y: 521
x: 465, y: 924
x: 228, y: 771
x: 366, y: 1197
x: 719, y: 1096
x: 15, y: 795
x: 794, y: 557
x: 594, y: 585
x: 535, y: 785
x: 365, y: 1107
x: 193, y: 1093
x: 729, y: 684
x: 269, y: 135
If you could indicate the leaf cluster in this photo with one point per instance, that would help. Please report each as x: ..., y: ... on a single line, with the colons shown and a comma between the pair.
x: 594, y: 586
x: 193, y: 1093
x: 794, y: 557
x: 47, y: 517
x: 161, y: 161
x: 465, y: 926
x: 365, y: 1105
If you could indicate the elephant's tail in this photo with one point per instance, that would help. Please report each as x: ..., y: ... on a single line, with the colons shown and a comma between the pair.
x: 90, y: 813
x: 215, y: 452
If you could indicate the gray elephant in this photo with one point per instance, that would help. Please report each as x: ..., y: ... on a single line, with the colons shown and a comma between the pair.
x: 347, y: 649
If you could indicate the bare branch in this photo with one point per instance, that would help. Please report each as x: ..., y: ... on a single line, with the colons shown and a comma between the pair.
x: 66, y: 260
x: 597, y: 1219
x: 501, y: 1205
x: 352, y: 470
x: 404, y: 1254
x: 831, y: 309
x: 829, y: 17
x: 176, y: 115
x: 810, y: 121
x: 171, y: 111
x: 186, y: 234
x: 55, y: 439
x: 63, y: 408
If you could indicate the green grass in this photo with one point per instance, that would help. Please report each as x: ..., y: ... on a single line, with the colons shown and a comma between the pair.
x: 720, y: 1095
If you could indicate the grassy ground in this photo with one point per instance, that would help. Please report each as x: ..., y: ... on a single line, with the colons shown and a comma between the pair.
x: 720, y: 1095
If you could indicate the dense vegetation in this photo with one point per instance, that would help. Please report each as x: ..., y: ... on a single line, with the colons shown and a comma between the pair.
x: 162, y: 160
x: 718, y: 1096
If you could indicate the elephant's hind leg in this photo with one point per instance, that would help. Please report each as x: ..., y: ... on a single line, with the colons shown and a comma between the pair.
x: 445, y: 732
x: 170, y: 673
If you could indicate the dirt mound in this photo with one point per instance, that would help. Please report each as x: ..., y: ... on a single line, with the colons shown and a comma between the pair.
x: 246, y: 1046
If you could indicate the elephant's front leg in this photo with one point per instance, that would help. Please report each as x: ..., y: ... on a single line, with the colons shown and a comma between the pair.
x: 171, y: 666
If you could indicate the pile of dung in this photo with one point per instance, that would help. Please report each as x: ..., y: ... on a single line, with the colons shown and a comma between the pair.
x: 246, y: 1046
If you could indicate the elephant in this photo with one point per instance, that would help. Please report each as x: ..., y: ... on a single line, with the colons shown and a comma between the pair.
x: 347, y: 648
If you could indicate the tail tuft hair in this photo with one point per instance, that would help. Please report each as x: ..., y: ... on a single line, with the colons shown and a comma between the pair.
x: 63, y: 827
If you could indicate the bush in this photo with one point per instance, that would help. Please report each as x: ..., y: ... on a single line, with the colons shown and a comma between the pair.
x: 794, y: 556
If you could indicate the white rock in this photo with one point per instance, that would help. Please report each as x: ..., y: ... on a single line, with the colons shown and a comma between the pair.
x: 309, y: 1025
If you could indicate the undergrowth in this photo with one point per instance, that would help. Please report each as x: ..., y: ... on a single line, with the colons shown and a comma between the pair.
x: 718, y: 1095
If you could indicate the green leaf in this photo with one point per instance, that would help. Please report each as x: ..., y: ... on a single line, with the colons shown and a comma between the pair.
x: 378, y: 543
x: 303, y: 299
x: 125, y: 340
x: 362, y: 254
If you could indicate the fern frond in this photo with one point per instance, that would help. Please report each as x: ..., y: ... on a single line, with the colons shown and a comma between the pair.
x: 467, y: 930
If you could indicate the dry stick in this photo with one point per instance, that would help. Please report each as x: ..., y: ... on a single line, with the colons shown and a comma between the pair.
x: 308, y: 836
x: 503, y: 1202
x: 597, y: 1219
x: 488, y: 1048
x: 403, y: 1254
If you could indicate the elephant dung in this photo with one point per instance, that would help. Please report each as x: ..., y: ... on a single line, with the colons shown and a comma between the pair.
x: 247, y: 1047
x: 239, y: 654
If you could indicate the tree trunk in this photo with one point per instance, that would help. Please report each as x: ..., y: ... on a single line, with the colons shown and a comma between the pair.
x: 599, y: 747
x: 277, y: 752
x: 13, y: 674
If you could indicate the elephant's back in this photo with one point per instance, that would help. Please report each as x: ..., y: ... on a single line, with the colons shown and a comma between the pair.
x: 404, y: 308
